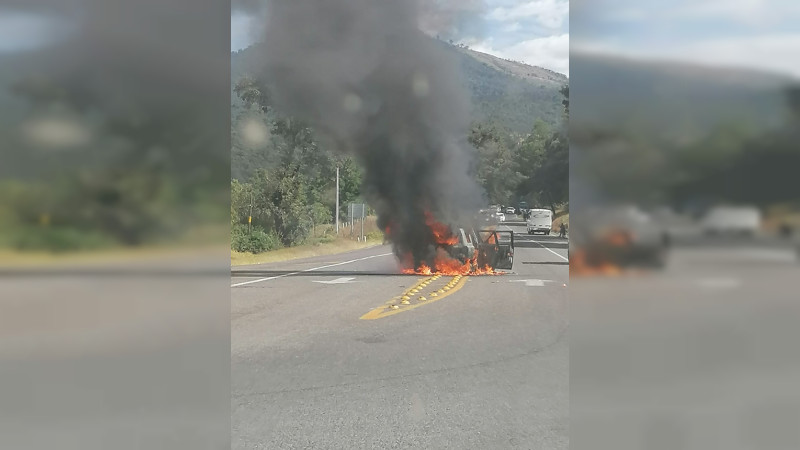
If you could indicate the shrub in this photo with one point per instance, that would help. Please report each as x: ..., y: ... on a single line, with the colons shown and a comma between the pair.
x: 255, y: 241
x: 60, y: 239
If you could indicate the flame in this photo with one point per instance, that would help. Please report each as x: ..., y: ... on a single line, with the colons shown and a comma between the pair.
x: 597, y: 263
x: 441, y: 232
x: 443, y: 263
x: 581, y: 264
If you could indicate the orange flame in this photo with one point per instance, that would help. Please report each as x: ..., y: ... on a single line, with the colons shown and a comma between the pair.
x: 596, y: 263
x: 441, y: 232
x: 443, y: 262
x: 580, y: 265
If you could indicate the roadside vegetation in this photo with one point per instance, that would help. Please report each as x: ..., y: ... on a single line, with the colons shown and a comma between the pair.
x: 285, y: 197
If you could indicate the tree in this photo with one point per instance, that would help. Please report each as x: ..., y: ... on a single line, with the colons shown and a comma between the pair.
x: 565, y: 92
x: 543, y: 161
x: 494, y: 163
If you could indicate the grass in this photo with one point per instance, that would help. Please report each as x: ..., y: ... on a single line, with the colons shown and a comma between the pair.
x: 559, y: 219
x: 205, y: 239
x: 10, y: 258
x: 317, y: 247
x: 323, y: 242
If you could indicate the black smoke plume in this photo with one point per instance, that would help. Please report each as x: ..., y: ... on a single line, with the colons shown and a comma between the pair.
x: 364, y: 76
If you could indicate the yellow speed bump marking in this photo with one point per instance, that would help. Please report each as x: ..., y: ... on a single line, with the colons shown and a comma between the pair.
x: 393, y: 308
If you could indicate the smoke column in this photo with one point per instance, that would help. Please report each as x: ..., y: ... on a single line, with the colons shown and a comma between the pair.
x: 364, y: 76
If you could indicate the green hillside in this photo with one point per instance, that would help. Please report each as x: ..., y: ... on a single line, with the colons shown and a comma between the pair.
x: 514, y: 95
x: 673, y: 102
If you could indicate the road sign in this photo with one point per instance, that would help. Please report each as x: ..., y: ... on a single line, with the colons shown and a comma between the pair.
x: 356, y: 211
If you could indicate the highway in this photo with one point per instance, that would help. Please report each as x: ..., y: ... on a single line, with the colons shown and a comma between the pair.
x: 320, y: 359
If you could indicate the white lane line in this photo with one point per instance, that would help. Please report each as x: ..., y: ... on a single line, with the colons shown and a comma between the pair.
x: 534, y: 282
x: 309, y: 270
x: 551, y: 251
x: 337, y: 281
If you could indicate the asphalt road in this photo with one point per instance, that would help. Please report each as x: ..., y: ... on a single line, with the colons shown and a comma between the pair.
x: 699, y: 355
x: 320, y: 360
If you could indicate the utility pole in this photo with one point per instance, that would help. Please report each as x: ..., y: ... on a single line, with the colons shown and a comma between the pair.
x: 337, y: 200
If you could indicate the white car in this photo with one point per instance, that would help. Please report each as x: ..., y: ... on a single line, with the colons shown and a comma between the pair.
x: 501, y: 217
x: 510, y: 210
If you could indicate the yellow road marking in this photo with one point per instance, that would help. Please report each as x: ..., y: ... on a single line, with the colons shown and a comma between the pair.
x: 391, y: 308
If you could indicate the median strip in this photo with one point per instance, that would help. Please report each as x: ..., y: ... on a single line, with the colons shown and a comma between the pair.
x: 426, y: 291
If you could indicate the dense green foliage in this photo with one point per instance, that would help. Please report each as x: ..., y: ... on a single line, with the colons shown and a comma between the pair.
x: 127, y: 161
x: 255, y: 240
x: 733, y: 162
x: 294, y: 188
x: 283, y: 175
x: 533, y: 167
x: 507, y: 99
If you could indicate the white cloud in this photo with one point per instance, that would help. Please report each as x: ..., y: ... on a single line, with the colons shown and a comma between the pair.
x: 550, y: 52
x: 512, y: 27
x: 769, y: 52
x: 242, y: 30
x: 549, y: 13
x: 756, y: 13
x: 751, y: 12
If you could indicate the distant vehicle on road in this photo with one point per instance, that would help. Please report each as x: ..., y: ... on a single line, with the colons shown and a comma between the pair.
x: 510, y: 210
x: 500, y: 217
x: 736, y: 220
x: 540, y: 221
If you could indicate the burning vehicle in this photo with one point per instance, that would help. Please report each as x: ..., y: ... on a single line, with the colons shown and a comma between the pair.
x: 612, y: 238
x: 459, y: 251
x: 384, y: 93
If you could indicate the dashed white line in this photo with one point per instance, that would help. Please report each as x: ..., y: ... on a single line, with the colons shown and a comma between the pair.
x: 551, y: 251
x: 308, y: 270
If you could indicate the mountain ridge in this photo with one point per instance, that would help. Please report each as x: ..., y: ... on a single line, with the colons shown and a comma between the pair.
x: 511, y: 93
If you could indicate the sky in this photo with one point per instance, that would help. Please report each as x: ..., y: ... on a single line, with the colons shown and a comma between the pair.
x: 23, y: 30
x: 752, y: 34
x: 761, y: 34
x: 535, y: 32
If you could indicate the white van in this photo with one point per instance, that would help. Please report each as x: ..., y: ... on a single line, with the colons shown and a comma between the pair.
x: 541, y: 221
x: 732, y: 220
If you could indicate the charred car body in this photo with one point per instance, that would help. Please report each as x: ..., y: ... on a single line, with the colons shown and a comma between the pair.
x: 484, y: 248
x: 621, y: 235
